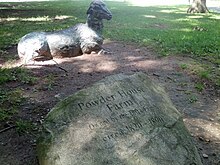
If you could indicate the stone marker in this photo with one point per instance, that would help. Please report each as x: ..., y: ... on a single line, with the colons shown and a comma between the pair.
x: 121, y: 120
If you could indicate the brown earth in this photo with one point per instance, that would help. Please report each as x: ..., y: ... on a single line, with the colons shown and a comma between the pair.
x: 201, y: 111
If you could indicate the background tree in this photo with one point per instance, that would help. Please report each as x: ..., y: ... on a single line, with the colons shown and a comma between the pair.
x: 198, y: 6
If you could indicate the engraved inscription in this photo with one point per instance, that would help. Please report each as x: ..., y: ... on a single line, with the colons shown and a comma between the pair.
x: 121, y: 105
x: 127, y: 114
x: 123, y: 93
x: 135, y: 126
x: 109, y: 101
x: 93, y: 103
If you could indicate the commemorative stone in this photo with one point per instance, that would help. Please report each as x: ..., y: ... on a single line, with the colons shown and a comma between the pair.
x: 121, y: 120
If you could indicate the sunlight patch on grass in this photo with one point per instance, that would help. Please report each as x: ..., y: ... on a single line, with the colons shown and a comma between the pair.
x: 188, y: 21
x: 36, y: 19
x: 215, y: 17
x: 182, y: 19
x: 150, y: 16
x: 7, y: 34
x: 185, y: 30
x: 169, y: 11
x: 23, y: 0
x: 195, y: 16
x: 155, y: 2
x: 62, y: 17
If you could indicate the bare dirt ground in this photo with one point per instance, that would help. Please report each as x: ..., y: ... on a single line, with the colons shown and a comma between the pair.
x: 201, y: 111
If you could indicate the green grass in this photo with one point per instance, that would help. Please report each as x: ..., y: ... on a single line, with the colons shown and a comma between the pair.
x: 23, y: 126
x: 199, y: 87
x: 169, y: 30
x: 16, y: 74
x: 12, y: 98
x: 183, y: 66
x: 49, y: 82
x: 193, y: 99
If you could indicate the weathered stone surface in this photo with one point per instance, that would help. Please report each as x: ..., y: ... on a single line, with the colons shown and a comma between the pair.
x: 121, y: 120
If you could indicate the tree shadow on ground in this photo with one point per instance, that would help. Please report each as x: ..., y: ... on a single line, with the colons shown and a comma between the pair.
x: 199, y: 110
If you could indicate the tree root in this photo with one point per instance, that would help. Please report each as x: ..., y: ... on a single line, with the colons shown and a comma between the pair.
x: 56, y: 64
x: 7, y: 128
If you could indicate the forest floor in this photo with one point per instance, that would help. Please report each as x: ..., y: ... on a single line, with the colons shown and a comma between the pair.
x: 200, y: 110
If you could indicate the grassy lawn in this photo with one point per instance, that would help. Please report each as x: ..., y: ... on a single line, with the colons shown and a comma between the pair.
x: 169, y: 30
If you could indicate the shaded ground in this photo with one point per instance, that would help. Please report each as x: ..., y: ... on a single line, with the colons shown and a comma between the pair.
x: 201, y: 111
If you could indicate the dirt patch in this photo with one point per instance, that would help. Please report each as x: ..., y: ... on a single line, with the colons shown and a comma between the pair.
x: 201, y: 111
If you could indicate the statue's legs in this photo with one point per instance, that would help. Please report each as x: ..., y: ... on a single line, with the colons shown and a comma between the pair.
x: 90, y: 47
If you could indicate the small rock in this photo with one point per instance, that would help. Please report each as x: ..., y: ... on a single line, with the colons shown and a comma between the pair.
x: 204, y: 140
x: 35, y: 124
x: 137, y: 50
x: 205, y: 156
x: 211, y: 119
x: 155, y: 74
x: 201, y: 138
x: 57, y: 96
x: 3, y: 144
x: 34, y: 144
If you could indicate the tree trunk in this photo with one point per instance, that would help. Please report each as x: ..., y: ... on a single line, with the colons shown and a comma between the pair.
x: 198, y: 6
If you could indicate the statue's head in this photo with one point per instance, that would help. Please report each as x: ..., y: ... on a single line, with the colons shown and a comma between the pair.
x: 99, y: 10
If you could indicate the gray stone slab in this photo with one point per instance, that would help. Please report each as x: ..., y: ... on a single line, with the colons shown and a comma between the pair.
x: 121, y: 120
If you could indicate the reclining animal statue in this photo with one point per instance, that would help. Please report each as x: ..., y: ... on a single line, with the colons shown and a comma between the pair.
x: 74, y: 41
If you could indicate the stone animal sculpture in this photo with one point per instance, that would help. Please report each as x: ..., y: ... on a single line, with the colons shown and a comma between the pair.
x: 74, y: 41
